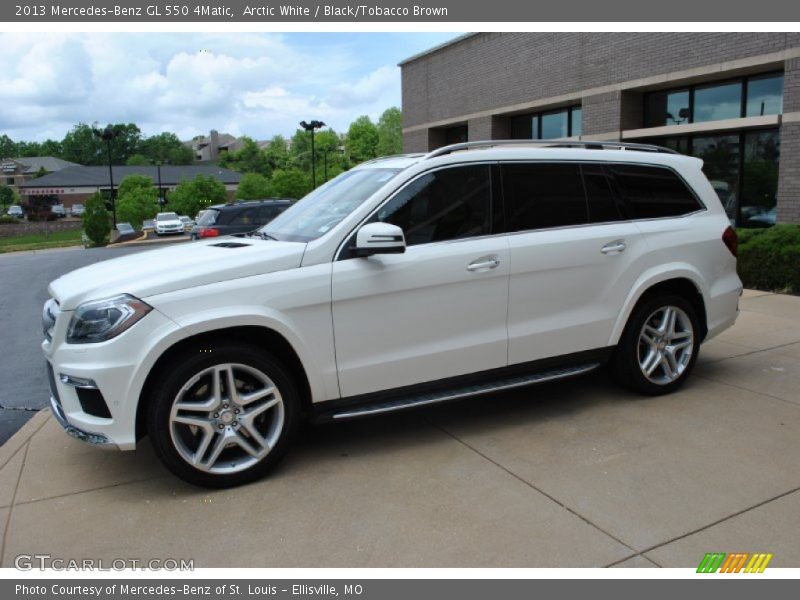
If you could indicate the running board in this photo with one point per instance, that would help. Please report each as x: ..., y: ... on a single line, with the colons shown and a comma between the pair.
x: 406, y: 402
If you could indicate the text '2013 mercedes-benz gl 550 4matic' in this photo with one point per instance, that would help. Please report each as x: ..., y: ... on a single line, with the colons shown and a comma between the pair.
x: 405, y: 281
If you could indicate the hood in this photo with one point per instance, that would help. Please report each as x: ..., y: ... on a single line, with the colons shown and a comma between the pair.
x: 184, y: 265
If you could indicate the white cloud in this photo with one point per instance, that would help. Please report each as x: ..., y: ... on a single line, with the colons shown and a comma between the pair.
x: 254, y: 84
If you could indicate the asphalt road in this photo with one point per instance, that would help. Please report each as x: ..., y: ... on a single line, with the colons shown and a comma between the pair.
x: 24, y: 277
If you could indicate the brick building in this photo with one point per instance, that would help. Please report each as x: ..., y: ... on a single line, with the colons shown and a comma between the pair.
x: 732, y: 99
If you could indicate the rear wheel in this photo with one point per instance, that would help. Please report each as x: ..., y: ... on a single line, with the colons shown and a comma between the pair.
x: 659, y: 346
x: 224, y: 417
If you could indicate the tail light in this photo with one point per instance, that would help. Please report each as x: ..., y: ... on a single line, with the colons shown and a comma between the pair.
x: 208, y: 232
x: 731, y: 240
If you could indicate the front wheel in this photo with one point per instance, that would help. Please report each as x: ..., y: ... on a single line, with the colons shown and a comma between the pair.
x: 224, y: 417
x: 659, y: 346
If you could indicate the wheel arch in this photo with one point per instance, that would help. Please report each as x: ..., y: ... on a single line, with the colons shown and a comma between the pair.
x: 685, y: 284
x: 258, y: 336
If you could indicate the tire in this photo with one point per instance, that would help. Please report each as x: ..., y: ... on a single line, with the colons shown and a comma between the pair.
x: 209, y: 438
x: 669, y: 354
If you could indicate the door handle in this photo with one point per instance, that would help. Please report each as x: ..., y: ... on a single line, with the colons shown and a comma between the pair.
x: 615, y: 246
x: 485, y: 263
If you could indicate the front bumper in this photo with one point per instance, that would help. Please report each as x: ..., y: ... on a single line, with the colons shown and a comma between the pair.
x: 118, y: 368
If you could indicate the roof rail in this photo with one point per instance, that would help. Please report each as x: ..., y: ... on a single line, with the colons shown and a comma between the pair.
x: 391, y: 156
x: 588, y: 145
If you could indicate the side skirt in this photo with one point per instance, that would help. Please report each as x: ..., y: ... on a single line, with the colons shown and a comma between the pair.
x: 453, y: 388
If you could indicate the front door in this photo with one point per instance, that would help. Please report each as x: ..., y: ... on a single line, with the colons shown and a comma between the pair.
x: 439, y: 310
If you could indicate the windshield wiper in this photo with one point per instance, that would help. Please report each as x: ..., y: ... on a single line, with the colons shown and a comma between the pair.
x: 265, y: 236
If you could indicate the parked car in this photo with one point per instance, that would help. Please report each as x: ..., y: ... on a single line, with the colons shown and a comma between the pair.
x: 403, y: 282
x: 168, y: 222
x: 15, y: 211
x: 188, y: 223
x: 58, y: 210
x: 765, y: 218
x: 238, y: 217
x: 148, y: 224
x: 78, y: 210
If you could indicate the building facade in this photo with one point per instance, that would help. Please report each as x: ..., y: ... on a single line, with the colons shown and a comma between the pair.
x: 17, y: 171
x: 732, y: 99
x: 74, y: 185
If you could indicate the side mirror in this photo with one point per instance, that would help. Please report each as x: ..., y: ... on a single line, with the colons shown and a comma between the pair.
x: 380, y: 238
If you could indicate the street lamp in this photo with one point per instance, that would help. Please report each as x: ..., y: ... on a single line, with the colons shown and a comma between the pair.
x: 108, y: 134
x: 311, y: 127
x: 161, y: 197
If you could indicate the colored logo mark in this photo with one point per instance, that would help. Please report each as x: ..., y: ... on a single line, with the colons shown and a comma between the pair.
x: 736, y: 562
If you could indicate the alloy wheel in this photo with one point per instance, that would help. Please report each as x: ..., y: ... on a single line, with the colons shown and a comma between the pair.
x: 666, y: 344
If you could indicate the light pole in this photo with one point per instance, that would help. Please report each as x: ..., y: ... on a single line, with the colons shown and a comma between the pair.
x: 311, y: 127
x: 108, y: 134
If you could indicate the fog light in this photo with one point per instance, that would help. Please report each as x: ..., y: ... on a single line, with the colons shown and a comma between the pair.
x: 78, y: 382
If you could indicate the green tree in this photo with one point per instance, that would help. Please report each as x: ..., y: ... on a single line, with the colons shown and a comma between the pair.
x: 137, y: 200
x: 390, y: 132
x: 138, y: 160
x: 82, y: 146
x: 362, y: 140
x: 277, y: 153
x: 193, y: 195
x: 290, y: 183
x: 252, y: 187
x: 8, y: 147
x: 96, y: 220
x: 249, y: 159
x: 6, y: 196
x: 40, y: 173
x: 166, y: 148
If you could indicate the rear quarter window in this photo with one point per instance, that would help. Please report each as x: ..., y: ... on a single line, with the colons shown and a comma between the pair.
x: 652, y: 192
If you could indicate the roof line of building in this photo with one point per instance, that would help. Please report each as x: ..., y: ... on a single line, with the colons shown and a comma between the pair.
x: 435, y: 49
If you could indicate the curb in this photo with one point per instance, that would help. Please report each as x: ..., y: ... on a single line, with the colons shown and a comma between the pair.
x: 25, y: 433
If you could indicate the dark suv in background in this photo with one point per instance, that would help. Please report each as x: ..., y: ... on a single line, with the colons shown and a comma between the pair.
x: 238, y: 217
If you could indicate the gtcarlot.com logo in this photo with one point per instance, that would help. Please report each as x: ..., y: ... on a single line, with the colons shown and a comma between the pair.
x: 737, y: 562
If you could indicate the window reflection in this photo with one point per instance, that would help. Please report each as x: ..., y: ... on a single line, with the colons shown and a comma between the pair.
x: 714, y: 103
x: 760, y: 178
x: 554, y: 125
x: 765, y: 96
x: 667, y: 108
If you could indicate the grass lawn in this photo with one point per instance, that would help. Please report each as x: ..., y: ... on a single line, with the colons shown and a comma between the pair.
x: 38, y: 241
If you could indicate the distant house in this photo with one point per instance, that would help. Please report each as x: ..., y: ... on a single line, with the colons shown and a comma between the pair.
x: 75, y: 184
x: 207, y: 148
x: 17, y: 171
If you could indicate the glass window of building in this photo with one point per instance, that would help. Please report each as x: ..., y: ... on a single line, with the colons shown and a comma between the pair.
x: 764, y: 96
x: 555, y: 125
x: 759, y: 178
x: 717, y: 102
x: 576, y: 121
x: 667, y: 108
x: 720, y: 154
x: 566, y: 122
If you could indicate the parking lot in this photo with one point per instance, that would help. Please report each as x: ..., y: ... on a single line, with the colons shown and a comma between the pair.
x: 572, y: 474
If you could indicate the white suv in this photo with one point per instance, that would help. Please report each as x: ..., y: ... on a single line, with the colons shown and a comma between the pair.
x: 406, y: 281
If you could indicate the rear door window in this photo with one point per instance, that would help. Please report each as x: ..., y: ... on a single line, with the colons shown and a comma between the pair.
x: 543, y: 195
x: 653, y: 192
x: 604, y: 206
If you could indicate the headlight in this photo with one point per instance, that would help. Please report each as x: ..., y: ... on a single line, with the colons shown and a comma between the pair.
x: 102, y: 320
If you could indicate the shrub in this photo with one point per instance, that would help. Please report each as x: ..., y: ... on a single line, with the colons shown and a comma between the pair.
x: 769, y: 259
x: 8, y: 219
x: 96, y: 220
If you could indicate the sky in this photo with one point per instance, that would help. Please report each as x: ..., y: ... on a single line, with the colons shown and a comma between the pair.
x: 255, y: 84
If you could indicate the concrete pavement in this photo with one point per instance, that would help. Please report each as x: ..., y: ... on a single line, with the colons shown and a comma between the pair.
x: 572, y: 474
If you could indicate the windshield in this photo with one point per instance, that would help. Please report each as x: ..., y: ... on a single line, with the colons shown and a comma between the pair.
x: 325, y: 207
x: 166, y: 217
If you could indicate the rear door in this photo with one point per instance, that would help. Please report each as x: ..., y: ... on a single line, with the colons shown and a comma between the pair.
x: 574, y: 257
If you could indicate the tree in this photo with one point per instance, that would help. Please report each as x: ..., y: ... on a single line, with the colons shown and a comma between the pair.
x: 193, y: 195
x: 166, y: 148
x: 362, y: 140
x: 248, y: 159
x: 6, y: 196
x: 137, y: 200
x: 138, y: 160
x: 390, y: 132
x: 82, y: 146
x: 96, y: 220
x: 277, y: 153
x: 290, y: 183
x: 8, y: 147
x: 252, y: 187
